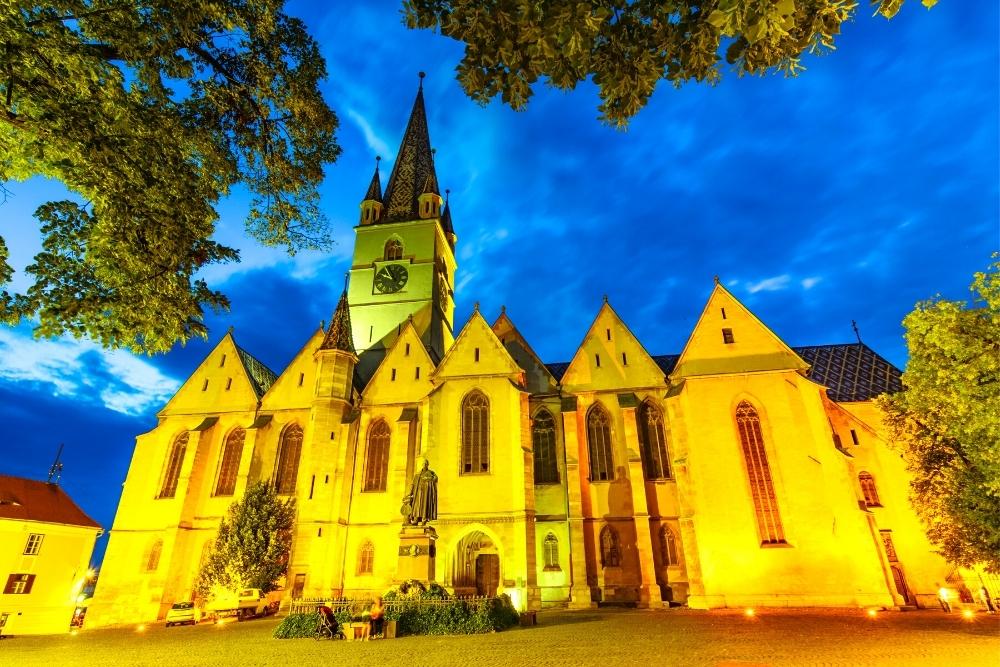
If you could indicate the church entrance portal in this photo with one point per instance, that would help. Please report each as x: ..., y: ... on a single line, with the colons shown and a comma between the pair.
x: 476, y: 565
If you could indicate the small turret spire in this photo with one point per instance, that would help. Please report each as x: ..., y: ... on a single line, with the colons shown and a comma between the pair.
x: 339, y: 336
x: 371, y: 205
x: 375, y: 187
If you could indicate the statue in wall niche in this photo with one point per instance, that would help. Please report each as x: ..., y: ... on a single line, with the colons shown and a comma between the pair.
x: 420, y: 505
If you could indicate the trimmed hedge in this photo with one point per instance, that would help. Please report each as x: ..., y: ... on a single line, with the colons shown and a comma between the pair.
x: 296, y: 626
x: 459, y: 617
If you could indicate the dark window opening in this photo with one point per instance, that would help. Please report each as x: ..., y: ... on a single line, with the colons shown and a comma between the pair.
x: 727, y: 336
x: 854, y: 438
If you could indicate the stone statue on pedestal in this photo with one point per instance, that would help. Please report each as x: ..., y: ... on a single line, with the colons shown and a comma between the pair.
x: 420, y: 504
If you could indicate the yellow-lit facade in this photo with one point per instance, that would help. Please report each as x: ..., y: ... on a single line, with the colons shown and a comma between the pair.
x: 726, y: 476
x: 44, y: 558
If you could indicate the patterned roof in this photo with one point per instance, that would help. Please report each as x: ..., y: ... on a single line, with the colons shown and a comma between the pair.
x: 852, y: 371
x: 413, y: 167
x: 31, y: 500
x: 339, y: 336
x: 261, y: 377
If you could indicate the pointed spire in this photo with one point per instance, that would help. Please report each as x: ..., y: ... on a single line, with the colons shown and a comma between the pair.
x: 446, y: 225
x: 413, y: 167
x: 375, y: 187
x: 430, y: 185
x: 339, y: 336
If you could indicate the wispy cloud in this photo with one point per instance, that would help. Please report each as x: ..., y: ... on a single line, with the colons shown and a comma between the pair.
x: 374, y: 142
x: 810, y: 282
x: 83, y: 371
x: 772, y: 284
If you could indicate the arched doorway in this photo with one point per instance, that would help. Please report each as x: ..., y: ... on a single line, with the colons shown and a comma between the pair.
x: 476, y: 565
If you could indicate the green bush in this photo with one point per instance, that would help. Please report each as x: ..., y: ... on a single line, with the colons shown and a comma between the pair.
x: 458, y: 617
x: 295, y: 626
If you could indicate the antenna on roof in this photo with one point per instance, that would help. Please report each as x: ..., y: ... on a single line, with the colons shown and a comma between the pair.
x: 854, y: 325
x: 57, y: 466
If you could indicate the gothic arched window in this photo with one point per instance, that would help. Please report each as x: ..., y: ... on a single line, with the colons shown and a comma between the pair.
x: 602, y: 463
x: 175, y: 459
x: 543, y: 441
x: 611, y: 550
x: 551, y: 547
x: 377, y: 456
x: 475, y: 433
x: 366, y: 558
x: 653, y: 442
x: 761, y: 487
x: 393, y: 250
x: 668, y: 546
x: 153, y: 555
x: 229, y: 463
x: 868, y: 489
x: 286, y: 468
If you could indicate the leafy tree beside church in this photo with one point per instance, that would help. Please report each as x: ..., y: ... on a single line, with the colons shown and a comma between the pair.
x: 252, y: 547
x: 947, y: 419
x: 150, y: 112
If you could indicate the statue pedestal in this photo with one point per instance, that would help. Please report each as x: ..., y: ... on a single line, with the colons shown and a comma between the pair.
x: 416, y: 554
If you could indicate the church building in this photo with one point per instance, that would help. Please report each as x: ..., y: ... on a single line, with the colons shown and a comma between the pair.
x: 740, y: 472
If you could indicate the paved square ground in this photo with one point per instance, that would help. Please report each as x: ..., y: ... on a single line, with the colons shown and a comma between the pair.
x: 605, y: 637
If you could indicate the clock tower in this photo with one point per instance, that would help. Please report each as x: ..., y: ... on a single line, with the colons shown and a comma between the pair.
x: 404, y: 254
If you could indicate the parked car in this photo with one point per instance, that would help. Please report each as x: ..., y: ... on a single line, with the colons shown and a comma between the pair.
x: 250, y: 603
x: 183, y: 613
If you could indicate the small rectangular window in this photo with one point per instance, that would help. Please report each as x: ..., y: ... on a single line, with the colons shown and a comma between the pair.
x: 319, y: 532
x: 723, y: 313
x: 477, y: 354
x: 312, y: 486
x: 608, y: 331
x: 229, y: 383
x: 393, y: 378
x: 204, y: 386
x: 302, y: 378
x: 854, y: 438
x: 33, y: 545
x: 333, y: 435
x: 624, y: 360
x: 597, y: 360
x: 19, y: 584
x: 223, y: 362
x: 727, y: 336
x: 371, y: 332
x: 407, y: 352
x: 326, y: 479
x: 418, y: 372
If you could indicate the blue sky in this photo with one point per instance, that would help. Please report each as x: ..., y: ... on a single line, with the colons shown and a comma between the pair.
x: 863, y: 186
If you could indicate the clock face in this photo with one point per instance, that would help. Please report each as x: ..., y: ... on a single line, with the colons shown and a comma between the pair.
x: 391, y: 278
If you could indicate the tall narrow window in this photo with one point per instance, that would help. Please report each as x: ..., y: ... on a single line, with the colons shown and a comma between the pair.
x: 366, y: 558
x: 286, y: 467
x: 377, y: 457
x: 551, y: 547
x: 611, y: 551
x: 229, y: 463
x: 543, y: 441
x: 153, y: 555
x: 668, y: 546
x: 761, y: 486
x: 653, y: 442
x: 868, y: 488
x: 890, y: 548
x: 475, y: 433
x: 172, y: 473
x: 599, y: 444
x: 393, y: 250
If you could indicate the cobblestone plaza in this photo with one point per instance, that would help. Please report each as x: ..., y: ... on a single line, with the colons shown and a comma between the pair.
x: 604, y: 637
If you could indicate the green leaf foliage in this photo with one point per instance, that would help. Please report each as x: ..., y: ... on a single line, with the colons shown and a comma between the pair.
x: 947, y: 420
x: 297, y: 626
x: 149, y: 112
x: 457, y: 617
x: 252, y: 547
x: 627, y: 46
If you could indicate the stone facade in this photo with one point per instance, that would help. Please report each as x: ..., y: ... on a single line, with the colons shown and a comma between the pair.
x: 726, y: 476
